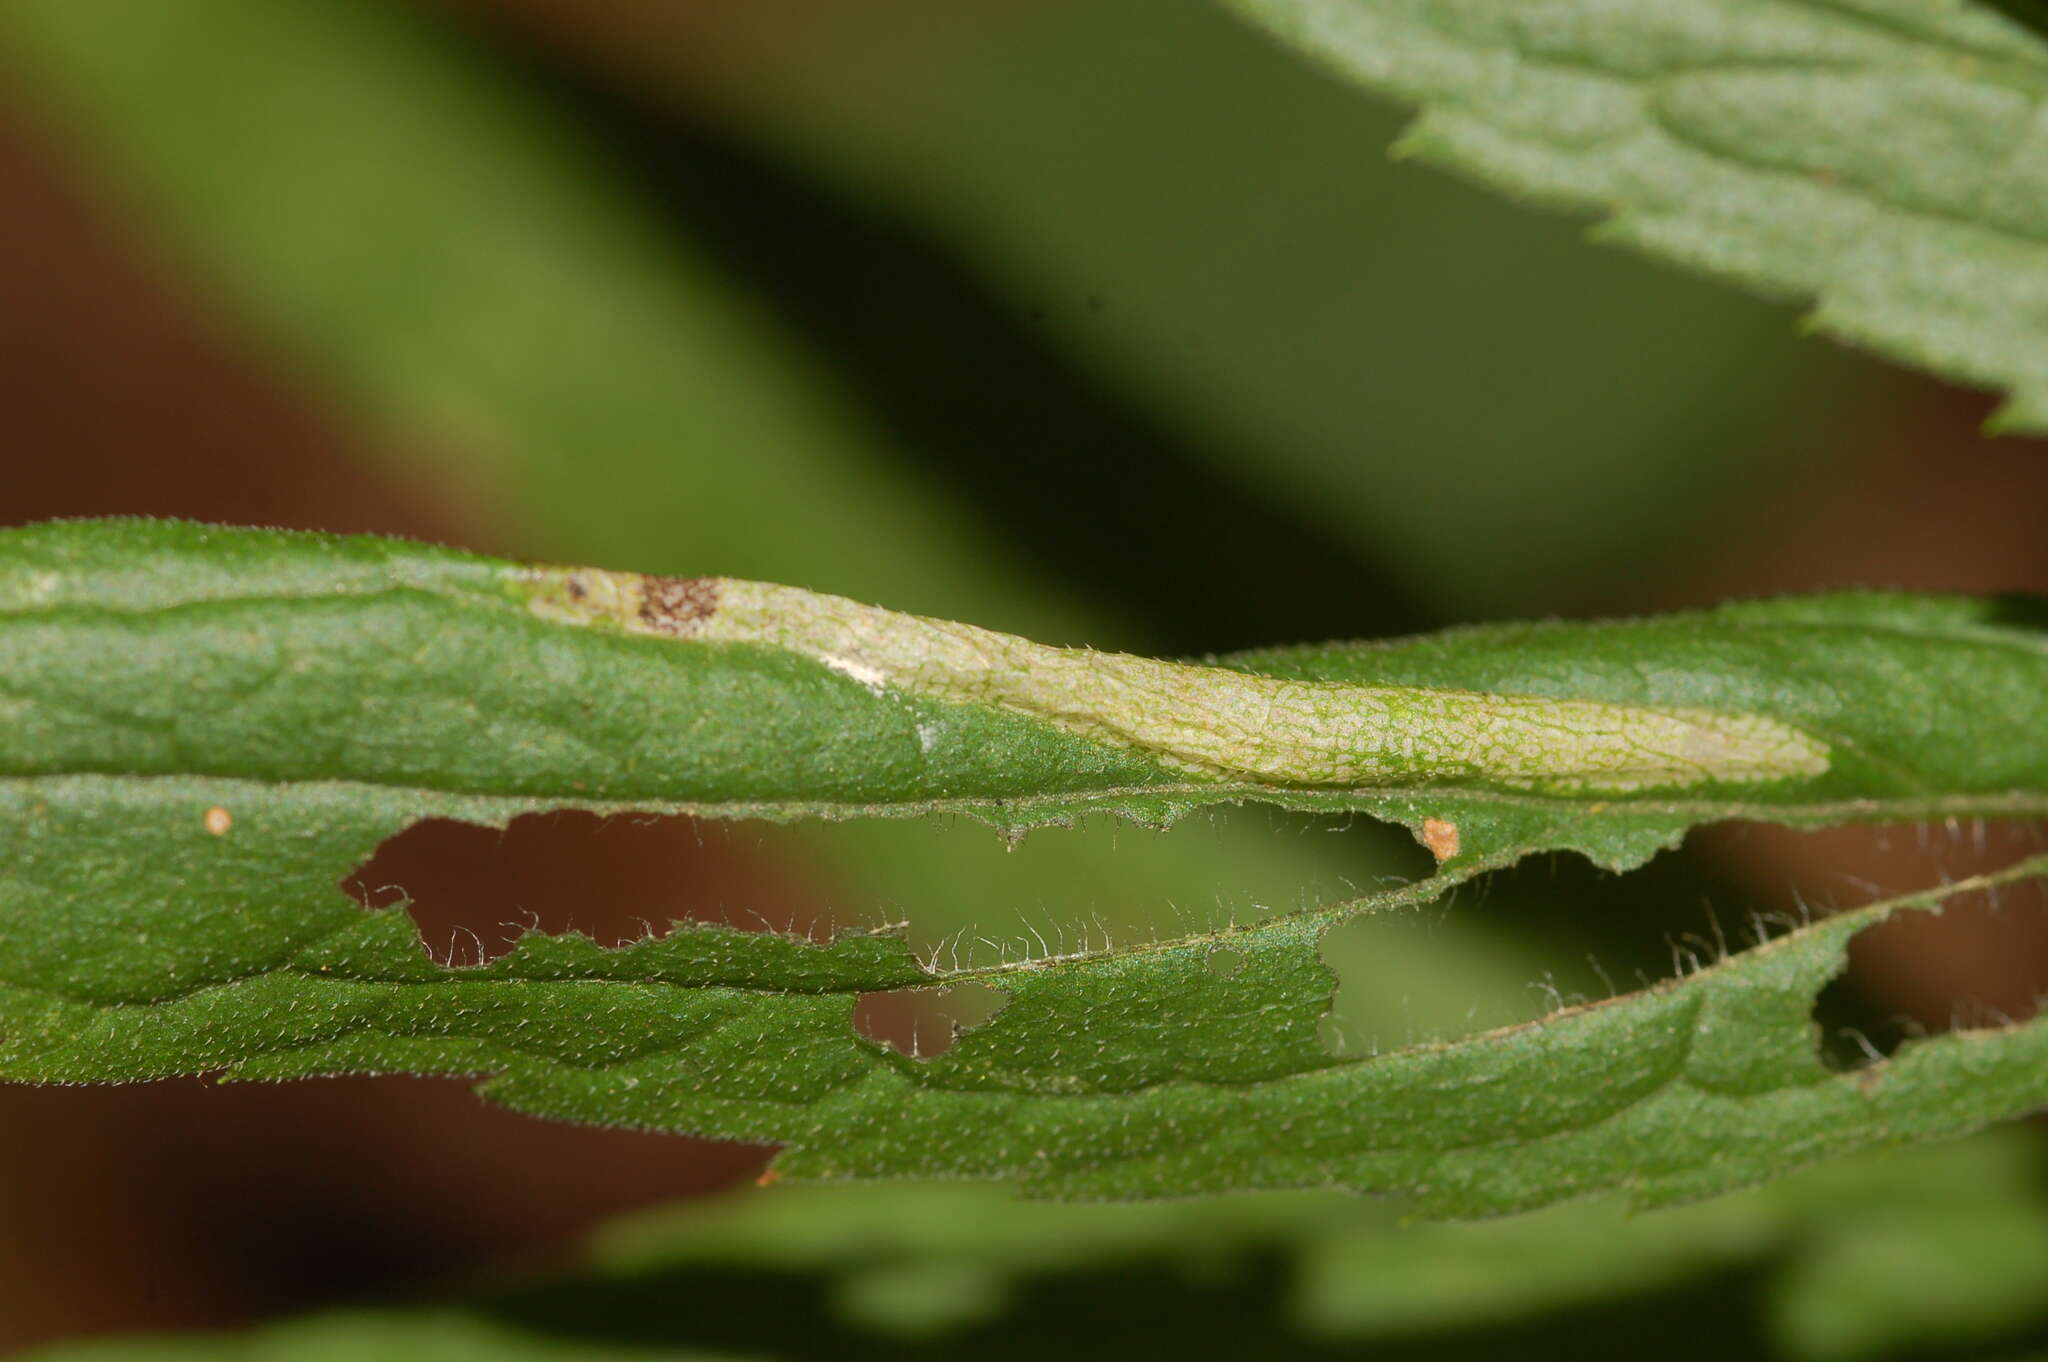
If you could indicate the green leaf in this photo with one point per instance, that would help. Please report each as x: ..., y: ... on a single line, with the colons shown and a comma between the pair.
x: 1882, y: 157
x: 583, y: 365
x: 163, y: 649
x: 207, y: 729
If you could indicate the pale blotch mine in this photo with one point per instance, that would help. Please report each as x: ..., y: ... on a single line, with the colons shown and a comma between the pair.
x: 1207, y: 721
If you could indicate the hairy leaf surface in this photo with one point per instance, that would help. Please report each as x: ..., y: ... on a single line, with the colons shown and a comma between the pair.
x: 207, y: 729
x: 1885, y: 158
x: 164, y: 649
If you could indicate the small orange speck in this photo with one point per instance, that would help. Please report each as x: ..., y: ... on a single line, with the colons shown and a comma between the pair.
x: 769, y: 1177
x: 1441, y: 837
x: 218, y: 820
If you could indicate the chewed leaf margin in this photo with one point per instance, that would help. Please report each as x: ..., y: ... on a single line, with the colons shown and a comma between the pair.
x: 1138, y: 1073
x: 208, y: 729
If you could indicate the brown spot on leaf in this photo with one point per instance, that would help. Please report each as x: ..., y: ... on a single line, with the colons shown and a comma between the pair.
x: 1441, y: 837
x: 676, y: 605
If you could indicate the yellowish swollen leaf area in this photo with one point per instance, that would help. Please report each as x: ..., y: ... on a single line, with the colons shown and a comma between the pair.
x: 1207, y: 721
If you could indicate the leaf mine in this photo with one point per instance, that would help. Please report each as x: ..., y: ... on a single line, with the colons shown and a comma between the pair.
x: 329, y: 692
x: 1211, y: 721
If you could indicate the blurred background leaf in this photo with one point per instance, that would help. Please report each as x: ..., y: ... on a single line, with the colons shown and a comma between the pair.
x: 1929, y: 1252
x: 1213, y: 228
x: 1875, y: 159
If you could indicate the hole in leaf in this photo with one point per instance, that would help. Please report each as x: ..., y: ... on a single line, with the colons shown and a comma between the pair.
x: 473, y: 890
x: 1224, y: 961
x: 1549, y: 933
x: 1852, y: 1032
x: 1102, y: 884
x: 925, y: 1022
x: 1981, y: 961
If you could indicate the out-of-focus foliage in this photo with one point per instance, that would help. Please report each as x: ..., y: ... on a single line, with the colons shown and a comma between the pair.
x: 1882, y: 157
x: 1215, y: 229
x: 1215, y: 233
x: 1938, y: 1248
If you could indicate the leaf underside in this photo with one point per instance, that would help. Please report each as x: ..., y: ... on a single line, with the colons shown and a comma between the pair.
x: 1886, y: 159
x: 208, y: 729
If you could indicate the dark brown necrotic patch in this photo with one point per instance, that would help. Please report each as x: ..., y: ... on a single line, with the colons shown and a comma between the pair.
x: 676, y: 605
